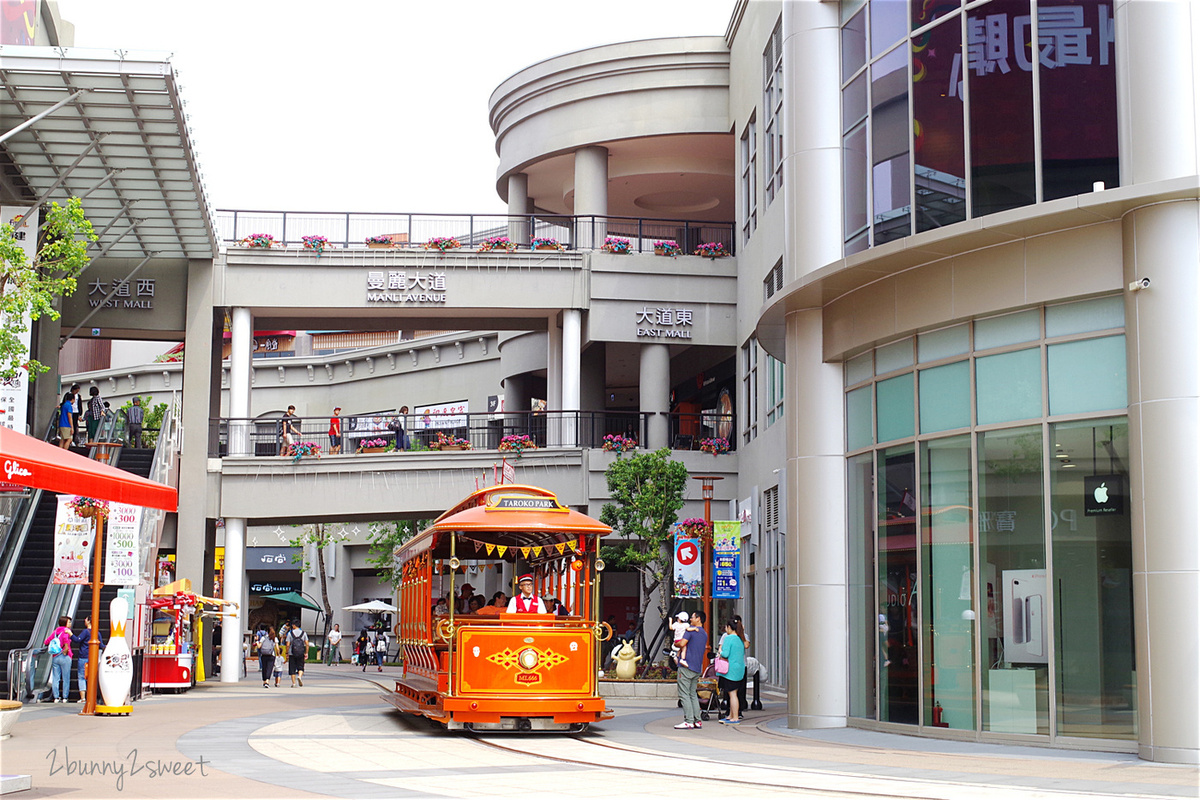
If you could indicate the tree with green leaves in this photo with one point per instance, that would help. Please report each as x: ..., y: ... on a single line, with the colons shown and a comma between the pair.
x: 385, y: 537
x: 316, y: 537
x: 647, y: 491
x: 29, y: 290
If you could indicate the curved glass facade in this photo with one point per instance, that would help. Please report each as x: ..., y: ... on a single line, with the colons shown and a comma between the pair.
x: 990, y: 538
x: 949, y: 114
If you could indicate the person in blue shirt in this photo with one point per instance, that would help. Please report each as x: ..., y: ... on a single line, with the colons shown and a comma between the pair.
x: 733, y: 650
x: 66, y: 421
x: 80, y: 642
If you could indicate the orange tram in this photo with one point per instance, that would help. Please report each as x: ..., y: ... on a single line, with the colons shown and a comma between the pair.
x: 503, y: 671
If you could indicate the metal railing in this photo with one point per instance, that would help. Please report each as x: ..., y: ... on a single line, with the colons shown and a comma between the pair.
x: 391, y: 431
x: 350, y: 230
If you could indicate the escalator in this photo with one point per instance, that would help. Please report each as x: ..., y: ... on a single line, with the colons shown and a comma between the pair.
x: 27, y: 591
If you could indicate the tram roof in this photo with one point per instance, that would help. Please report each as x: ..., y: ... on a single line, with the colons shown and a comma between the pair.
x: 513, y: 515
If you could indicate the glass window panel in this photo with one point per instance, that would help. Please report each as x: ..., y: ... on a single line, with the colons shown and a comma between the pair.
x: 896, y: 355
x: 854, y: 167
x: 924, y: 13
x: 854, y: 102
x: 894, y: 408
x: 1077, y: 149
x: 1000, y: 79
x: 1008, y: 387
x: 945, y: 397
x: 897, y: 586
x: 890, y: 128
x: 947, y: 537
x: 859, y: 368
x: 939, y: 150
x: 857, y: 244
x: 858, y: 418
x: 861, y: 559
x: 1014, y: 597
x: 1095, y: 678
x: 854, y: 45
x: 1083, y: 317
x: 888, y: 24
x: 1024, y: 326
x: 1087, y: 376
x: 943, y: 344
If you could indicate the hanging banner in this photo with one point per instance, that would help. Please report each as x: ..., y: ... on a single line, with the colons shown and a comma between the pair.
x: 73, y: 537
x: 121, y: 544
x: 727, y: 559
x: 687, y: 569
x: 14, y: 393
x: 442, y: 415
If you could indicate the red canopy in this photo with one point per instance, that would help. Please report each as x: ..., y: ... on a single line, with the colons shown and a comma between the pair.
x: 29, y: 462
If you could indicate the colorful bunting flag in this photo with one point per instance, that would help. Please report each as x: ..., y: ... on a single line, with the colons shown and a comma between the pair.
x: 491, y: 548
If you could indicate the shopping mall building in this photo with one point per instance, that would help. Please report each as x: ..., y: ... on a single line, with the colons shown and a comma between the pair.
x: 955, y: 345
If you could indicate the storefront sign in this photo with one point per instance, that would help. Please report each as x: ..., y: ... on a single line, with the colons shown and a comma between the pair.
x: 14, y: 392
x: 73, y: 538
x: 664, y: 322
x: 687, y: 566
x: 1103, y: 495
x: 121, y: 545
x: 121, y: 293
x: 402, y: 286
x: 443, y: 415
x: 273, y: 587
x: 274, y: 559
x: 727, y: 559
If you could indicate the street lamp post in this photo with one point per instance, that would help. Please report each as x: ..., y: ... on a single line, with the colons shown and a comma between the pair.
x: 706, y: 491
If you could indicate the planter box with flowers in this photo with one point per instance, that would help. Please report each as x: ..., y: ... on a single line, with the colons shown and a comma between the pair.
x: 301, y: 449
x: 516, y: 443
x: 716, y: 446
x: 315, y: 243
x: 544, y: 243
x: 372, y: 446
x: 381, y: 242
x: 443, y: 243
x: 711, y: 250
x: 616, y: 443
x: 615, y: 244
x: 667, y: 247
x: 264, y: 240
x: 494, y: 243
x: 447, y: 442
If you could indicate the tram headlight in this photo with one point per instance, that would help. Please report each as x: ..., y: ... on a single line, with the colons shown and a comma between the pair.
x: 599, y: 565
x: 528, y: 659
x: 455, y: 563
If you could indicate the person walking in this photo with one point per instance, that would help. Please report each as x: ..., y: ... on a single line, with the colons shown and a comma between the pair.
x: 76, y: 410
x: 334, y: 654
x: 135, y: 416
x: 80, y: 642
x: 95, y: 413
x: 362, y: 646
x: 740, y: 631
x: 297, y: 652
x: 66, y: 422
x: 58, y: 644
x: 288, y: 431
x: 733, y: 650
x: 335, y: 431
x: 266, y: 655
x: 381, y: 648
x: 691, y: 664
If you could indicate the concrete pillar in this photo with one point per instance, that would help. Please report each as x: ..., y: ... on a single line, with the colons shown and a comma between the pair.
x: 46, y: 390
x: 816, y: 541
x: 518, y: 205
x: 241, y: 330
x: 572, y: 343
x: 654, y: 392
x: 1158, y: 121
x: 554, y: 349
x: 235, y: 584
x: 591, y: 196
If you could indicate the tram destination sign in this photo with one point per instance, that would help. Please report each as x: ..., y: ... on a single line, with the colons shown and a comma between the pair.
x: 524, y: 503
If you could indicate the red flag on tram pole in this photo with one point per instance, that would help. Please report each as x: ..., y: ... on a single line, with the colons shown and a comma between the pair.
x: 508, y: 471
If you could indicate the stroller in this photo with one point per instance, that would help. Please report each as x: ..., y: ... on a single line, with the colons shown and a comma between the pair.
x: 708, y: 692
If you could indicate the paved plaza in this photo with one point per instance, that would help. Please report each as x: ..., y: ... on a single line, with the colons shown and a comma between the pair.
x: 334, y: 738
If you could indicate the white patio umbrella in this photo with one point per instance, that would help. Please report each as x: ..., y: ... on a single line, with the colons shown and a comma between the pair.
x: 372, y: 607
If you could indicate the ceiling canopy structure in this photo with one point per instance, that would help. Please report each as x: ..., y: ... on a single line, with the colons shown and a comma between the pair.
x: 120, y: 141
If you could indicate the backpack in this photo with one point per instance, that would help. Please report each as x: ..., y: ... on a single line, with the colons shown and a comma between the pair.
x: 56, y: 648
x: 297, y: 647
x: 381, y: 644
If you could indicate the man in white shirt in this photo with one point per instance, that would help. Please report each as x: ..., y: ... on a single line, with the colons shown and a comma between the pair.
x: 526, y: 602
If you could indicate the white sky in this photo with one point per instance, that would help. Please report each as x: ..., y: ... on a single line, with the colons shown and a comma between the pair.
x: 362, y: 106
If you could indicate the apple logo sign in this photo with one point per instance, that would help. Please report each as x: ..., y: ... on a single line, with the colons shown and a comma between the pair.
x: 1101, y: 493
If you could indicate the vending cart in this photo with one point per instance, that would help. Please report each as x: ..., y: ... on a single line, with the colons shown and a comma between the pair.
x: 175, y: 632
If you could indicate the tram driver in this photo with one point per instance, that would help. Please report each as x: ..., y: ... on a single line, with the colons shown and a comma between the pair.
x: 526, y: 602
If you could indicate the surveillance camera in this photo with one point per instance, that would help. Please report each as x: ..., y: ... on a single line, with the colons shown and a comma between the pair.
x: 1139, y: 284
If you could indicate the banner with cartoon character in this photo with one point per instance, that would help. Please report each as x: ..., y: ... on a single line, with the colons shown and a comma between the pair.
x: 727, y: 557
x: 73, y: 538
x: 687, y: 565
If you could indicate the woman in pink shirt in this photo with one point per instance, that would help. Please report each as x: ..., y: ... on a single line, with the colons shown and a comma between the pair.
x: 60, y: 660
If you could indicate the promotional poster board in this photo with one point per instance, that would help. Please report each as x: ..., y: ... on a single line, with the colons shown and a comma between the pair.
x: 121, y: 545
x: 73, y: 538
x: 727, y: 559
x: 687, y: 567
x: 442, y: 415
x: 14, y: 393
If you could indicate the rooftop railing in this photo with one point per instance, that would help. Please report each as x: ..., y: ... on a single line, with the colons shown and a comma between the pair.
x: 351, y: 230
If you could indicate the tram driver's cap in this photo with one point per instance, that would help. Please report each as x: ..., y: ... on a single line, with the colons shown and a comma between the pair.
x: 526, y: 577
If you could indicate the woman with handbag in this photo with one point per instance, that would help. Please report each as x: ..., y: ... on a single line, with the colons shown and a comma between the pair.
x: 731, y: 669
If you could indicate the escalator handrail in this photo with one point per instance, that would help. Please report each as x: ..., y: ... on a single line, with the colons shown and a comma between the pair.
x: 17, y: 531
